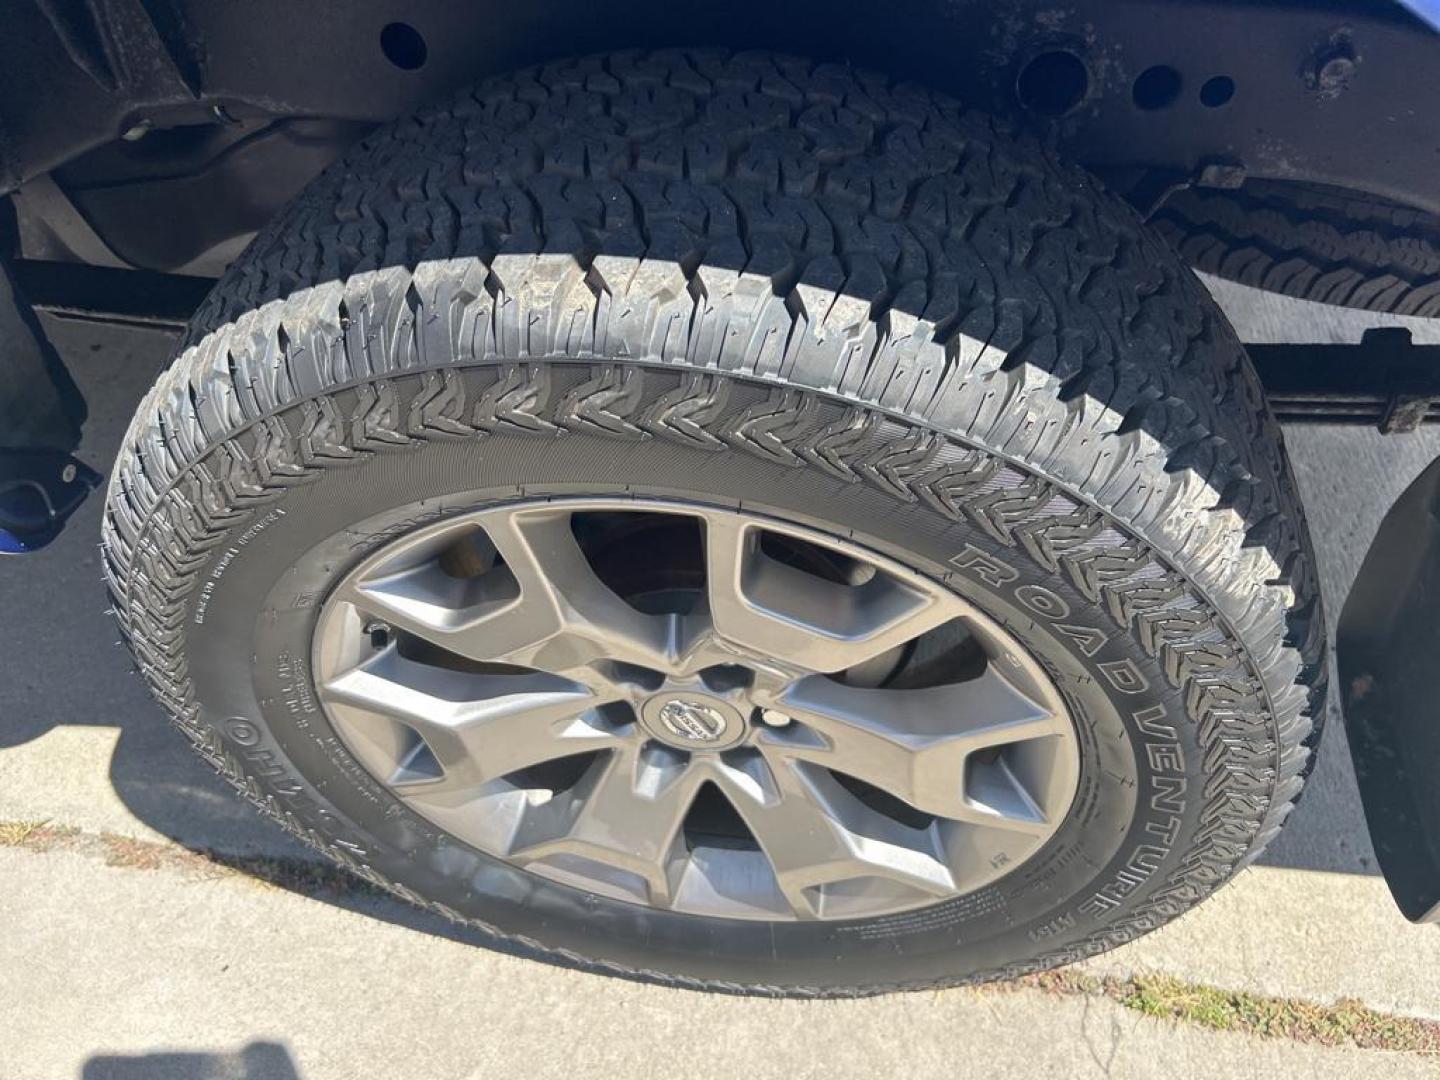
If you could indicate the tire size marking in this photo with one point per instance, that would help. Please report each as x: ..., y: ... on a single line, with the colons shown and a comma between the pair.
x: 295, y: 684
x: 987, y: 901
x: 207, y: 590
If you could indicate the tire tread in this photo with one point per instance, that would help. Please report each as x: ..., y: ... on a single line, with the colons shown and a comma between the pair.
x: 1009, y: 343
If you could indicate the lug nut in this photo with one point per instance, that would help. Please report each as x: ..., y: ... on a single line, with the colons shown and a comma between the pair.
x: 1333, y: 67
x: 1334, y: 73
x: 774, y: 718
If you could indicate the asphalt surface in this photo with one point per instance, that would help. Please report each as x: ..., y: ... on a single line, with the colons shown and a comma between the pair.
x: 121, y: 966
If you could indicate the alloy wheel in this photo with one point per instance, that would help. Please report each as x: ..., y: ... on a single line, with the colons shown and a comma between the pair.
x: 696, y: 709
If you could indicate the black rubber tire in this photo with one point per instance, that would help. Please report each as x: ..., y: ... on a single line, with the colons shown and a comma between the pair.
x: 1311, y: 242
x: 943, y: 344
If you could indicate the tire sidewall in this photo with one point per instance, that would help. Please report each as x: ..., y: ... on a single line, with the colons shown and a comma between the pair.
x: 251, y: 622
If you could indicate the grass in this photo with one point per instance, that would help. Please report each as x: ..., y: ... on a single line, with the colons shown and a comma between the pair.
x: 1162, y: 997
x: 310, y: 877
x: 34, y: 835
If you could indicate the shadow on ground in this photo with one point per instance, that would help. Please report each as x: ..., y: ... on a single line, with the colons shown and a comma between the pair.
x: 257, y: 1061
x: 64, y: 666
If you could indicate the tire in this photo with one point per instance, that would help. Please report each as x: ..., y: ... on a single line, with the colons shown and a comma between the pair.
x: 745, y: 281
x: 1311, y: 242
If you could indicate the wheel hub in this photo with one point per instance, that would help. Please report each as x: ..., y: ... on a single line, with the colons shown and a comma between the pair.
x: 724, y: 723
x: 690, y: 721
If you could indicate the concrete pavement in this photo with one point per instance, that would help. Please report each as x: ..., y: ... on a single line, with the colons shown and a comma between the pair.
x: 146, y: 974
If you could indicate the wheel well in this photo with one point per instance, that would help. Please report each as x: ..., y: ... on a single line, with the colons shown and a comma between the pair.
x: 161, y: 136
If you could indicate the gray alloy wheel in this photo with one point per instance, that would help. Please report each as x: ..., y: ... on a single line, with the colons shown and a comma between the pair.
x: 484, y: 671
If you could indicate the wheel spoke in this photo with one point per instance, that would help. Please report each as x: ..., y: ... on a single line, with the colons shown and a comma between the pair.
x: 772, y: 609
x: 816, y: 834
x: 589, y: 621
x: 479, y: 727
x: 625, y: 814
x: 543, y: 606
x: 915, y: 744
x: 998, y: 799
